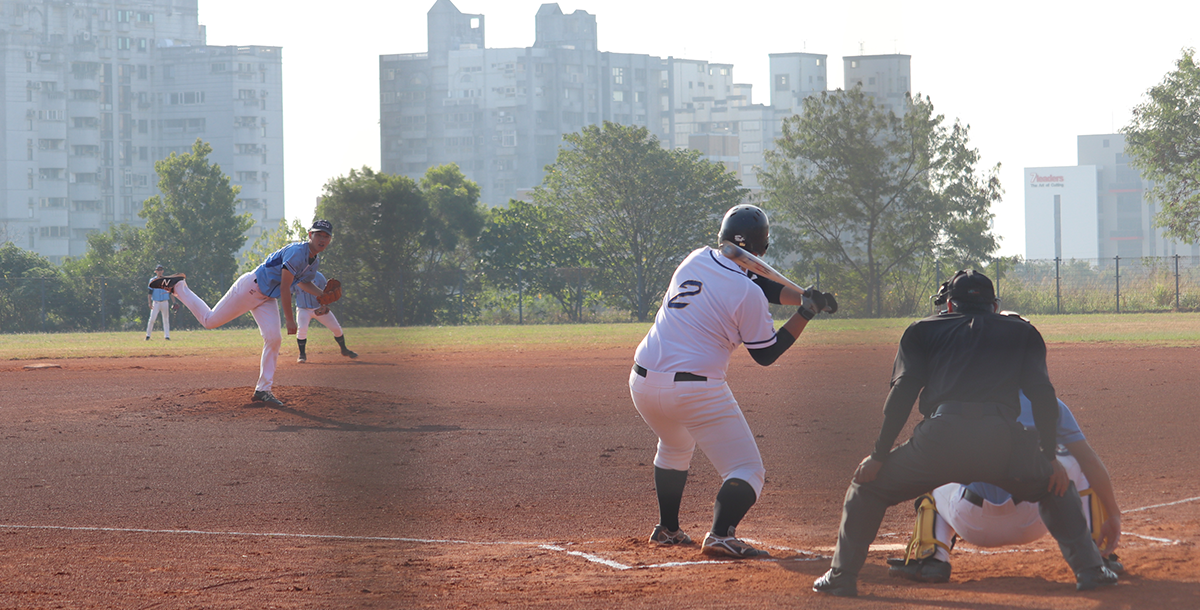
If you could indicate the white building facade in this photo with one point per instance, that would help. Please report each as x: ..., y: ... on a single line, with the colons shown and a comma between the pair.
x: 95, y: 92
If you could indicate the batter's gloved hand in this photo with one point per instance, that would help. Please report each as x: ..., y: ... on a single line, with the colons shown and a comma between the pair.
x: 333, y: 292
x: 808, y: 308
x: 822, y: 301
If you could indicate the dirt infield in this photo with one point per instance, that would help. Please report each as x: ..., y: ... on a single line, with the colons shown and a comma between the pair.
x: 517, y: 479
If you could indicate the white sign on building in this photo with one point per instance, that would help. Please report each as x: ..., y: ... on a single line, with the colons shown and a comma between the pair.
x: 1060, y: 213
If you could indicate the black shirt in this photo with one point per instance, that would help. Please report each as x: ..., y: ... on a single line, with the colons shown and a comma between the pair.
x: 970, y: 357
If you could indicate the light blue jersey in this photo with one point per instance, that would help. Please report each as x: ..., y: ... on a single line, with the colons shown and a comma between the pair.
x: 304, y: 300
x: 1068, y: 432
x: 293, y: 256
x: 158, y: 294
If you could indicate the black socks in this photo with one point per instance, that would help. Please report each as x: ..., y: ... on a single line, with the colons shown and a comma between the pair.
x: 733, y: 502
x: 669, y: 486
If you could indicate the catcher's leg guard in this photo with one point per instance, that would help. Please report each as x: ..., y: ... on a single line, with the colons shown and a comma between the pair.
x: 1093, y: 510
x: 924, y: 541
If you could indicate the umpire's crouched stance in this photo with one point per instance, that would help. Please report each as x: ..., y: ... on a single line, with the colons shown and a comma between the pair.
x: 971, y: 362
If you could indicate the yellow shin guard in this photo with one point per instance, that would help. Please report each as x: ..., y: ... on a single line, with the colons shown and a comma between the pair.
x: 924, y: 541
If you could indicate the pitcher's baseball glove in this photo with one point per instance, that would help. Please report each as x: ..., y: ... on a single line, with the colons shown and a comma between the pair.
x: 333, y: 292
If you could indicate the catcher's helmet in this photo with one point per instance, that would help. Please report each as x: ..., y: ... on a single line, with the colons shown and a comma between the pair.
x: 746, y: 225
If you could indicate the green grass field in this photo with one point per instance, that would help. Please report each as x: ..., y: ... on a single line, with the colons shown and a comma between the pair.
x: 1151, y: 329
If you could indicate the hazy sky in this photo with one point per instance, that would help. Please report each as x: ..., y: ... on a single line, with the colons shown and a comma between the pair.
x: 1028, y: 77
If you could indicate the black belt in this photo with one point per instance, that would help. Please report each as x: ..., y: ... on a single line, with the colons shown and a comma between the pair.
x: 641, y: 370
x: 973, y: 410
x: 972, y: 497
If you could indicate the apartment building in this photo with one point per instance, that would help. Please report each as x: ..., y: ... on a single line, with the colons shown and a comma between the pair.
x: 96, y: 92
x: 500, y: 114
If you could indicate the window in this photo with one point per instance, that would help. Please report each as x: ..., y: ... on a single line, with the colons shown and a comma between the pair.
x: 618, y: 76
x: 618, y: 96
x: 818, y: 61
x: 854, y: 64
x: 56, y: 231
x: 781, y: 82
x: 219, y: 68
x: 189, y: 97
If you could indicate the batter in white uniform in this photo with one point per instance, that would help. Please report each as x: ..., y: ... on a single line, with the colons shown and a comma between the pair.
x: 678, y: 380
x: 986, y: 516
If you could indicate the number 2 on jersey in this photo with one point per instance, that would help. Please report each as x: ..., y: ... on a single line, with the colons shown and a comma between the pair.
x: 676, y: 303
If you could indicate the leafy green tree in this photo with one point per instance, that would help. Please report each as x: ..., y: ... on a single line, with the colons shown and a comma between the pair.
x: 1163, y: 141
x: 530, y: 245
x: 637, y: 207
x: 405, y: 241
x: 194, y: 224
x: 27, y: 281
x: 875, y: 195
x: 273, y: 240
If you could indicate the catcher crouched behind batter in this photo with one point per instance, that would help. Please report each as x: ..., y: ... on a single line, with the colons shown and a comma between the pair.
x: 678, y: 380
x: 968, y: 365
x: 294, y: 265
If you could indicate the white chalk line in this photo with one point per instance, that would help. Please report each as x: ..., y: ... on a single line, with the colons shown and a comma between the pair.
x: 809, y: 555
x: 1135, y: 510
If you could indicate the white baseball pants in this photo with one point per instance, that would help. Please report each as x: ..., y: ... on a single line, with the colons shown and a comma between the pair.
x: 688, y: 413
x: 243, y: 296
x: 304, y: 316
x: 993, y: 525
x: 157, y: 308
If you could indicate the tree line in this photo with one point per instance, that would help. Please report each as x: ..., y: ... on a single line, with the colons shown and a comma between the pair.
x: 875, y: 206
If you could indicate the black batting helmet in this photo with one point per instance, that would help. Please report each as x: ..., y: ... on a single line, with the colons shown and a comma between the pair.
x: 746, y: 225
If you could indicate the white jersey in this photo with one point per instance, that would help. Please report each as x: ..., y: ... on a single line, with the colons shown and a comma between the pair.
x: 710, y: 309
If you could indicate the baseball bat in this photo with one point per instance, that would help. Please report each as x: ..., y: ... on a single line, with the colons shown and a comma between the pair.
x: 755, y: 265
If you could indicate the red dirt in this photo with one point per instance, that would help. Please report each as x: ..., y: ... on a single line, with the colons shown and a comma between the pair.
x: 516, y: 479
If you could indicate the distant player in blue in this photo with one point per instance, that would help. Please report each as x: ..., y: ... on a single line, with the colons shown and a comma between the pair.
x: 294, y: 265
x: 307, y: 309
x: 158, y: 299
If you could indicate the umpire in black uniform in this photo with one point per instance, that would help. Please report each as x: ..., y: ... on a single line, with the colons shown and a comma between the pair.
x: 971, y: 362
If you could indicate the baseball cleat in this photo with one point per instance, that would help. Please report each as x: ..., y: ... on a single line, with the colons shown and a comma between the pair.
x: 1091, y: 578
x: 349, y: 354
x: 666, y: 537
x: 924, y: 570
x: 834, y: 582
x: 1113, y: 563
x: 730, y: 547
x: 167, y: 282
x: 267, y: 397
x: 302, y: 359
x: 147, y: 337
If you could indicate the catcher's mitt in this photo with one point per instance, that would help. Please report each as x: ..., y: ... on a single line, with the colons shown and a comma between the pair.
x: 333, y: 292
x: 320, y: 311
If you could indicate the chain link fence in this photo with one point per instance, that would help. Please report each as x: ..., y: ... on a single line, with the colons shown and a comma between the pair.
x: 576, y: 295
x: 105, y: 304
x: 1116, y: 285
